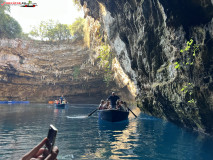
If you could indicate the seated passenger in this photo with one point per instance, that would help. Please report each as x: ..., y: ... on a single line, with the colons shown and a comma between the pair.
x: 119, y: 106
x: 107, y: 105
x: 101, y: 106
x: 124, y: 105
x: 56, y: 101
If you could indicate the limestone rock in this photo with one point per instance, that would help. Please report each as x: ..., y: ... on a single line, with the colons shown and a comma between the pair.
x: 42, y: 71
x: 147, y: 36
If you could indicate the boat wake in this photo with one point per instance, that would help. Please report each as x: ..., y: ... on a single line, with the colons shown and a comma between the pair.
x: 72, y: 117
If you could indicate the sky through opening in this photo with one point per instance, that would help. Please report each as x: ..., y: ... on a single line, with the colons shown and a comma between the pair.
x: 62, y: 11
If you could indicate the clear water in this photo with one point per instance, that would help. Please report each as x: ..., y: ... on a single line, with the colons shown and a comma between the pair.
x: 80, y: 137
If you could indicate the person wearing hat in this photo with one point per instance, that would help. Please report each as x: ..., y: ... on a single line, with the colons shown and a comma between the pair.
x: 113, y: 99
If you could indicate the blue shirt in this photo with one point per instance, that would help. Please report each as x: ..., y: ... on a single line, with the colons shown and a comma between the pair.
x: 61, y: 98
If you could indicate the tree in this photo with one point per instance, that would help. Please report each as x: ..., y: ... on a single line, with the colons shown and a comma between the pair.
x: 50, y: 30
x: 34, y: 32
x: 45, y: 30
x: 62, y: 32
x: 78, y: 4
x: 9, y: 27
x: 4, y: 7
x: 77, y: 28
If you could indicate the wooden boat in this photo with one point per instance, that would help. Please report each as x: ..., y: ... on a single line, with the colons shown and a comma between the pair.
x: 51, y: 102
x: 60, y: 105
x: 113, y: 115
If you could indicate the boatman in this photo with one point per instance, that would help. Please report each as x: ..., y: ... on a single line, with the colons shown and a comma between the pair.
x: 113, y: 99
x: 61, y: 99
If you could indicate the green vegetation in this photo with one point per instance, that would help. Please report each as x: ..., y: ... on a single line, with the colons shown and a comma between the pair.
x: 9, y: 27
x: 77, y: 28
x: 55, y: 31
x: 189, y: 52
x: 106, y: 57
x: 76, y: 72
x: 77, y: 3
x: 49, y: 30
x: 100, y: 46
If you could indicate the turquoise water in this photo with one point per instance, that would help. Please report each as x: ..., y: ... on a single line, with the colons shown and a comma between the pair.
x: 80, y: 137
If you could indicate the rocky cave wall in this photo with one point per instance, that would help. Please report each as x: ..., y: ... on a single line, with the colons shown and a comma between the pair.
x: 41, y: 71
x: 147, y: 36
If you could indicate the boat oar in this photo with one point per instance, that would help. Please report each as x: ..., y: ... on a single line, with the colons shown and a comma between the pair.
x: 132, y: 112
x: 93, y: 112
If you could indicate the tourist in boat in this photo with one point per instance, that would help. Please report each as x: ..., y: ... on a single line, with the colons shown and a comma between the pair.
x: 38, y: 152
x: 56, y: 101
x: 101, y: 106
x: 107, y: 105
x: 119, y: 106
x: 61, y: 99
x: 113, y: 99
x: 64, y: 101
x: 125, y: 106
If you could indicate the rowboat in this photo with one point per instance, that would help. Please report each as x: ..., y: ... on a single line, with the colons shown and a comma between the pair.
x: 113, y: 115
x: 51, y: 102
x: 60, y: 105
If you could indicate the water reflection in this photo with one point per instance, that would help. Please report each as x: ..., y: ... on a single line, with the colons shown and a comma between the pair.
x: 59, y: 112
x: 123, y: 145
x: 110, y: 126
x: 117, y: 140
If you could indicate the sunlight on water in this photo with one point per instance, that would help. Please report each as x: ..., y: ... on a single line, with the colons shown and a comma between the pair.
x: 121, y: 148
